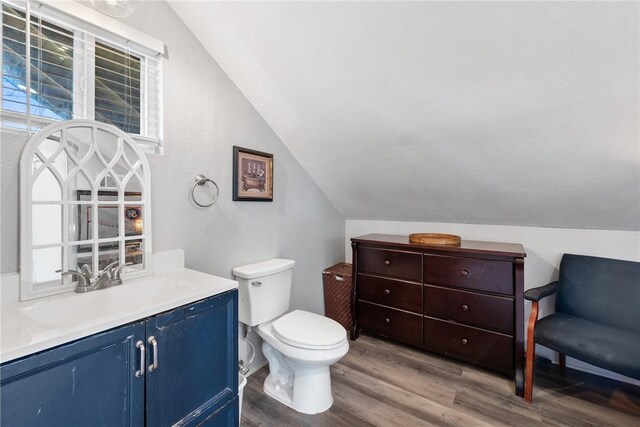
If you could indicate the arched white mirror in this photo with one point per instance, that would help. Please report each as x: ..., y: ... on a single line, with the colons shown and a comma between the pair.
x: 85, y: 198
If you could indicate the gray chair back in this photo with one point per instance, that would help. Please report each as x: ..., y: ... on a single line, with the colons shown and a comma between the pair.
x: 602, y: 290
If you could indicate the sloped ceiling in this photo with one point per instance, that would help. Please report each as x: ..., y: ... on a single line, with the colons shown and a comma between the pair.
x: 523, y: 113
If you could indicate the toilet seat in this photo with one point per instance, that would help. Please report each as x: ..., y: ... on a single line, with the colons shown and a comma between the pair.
x: 307, y: 330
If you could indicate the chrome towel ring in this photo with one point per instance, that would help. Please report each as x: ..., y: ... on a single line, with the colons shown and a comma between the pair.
x: 202, y: 180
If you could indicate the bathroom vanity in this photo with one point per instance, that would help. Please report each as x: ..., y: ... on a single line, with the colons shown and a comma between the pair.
x: 142, y: 340
x: 462, y: 301
x: 156, y: 351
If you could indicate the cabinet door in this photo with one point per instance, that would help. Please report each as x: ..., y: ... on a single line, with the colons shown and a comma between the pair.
x: 84, y: 383
x: 197, y: 361
x: 226, y: 416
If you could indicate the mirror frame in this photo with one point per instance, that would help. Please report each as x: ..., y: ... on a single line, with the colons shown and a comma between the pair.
x: 28, y: 289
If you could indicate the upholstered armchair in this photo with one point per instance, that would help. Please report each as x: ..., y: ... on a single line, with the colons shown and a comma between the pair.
x: 596, y: 319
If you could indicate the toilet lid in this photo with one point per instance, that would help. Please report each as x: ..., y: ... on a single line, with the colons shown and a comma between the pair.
x: 308, y: 330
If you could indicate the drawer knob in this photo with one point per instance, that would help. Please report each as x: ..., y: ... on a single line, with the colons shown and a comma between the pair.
x: 387, y: 263
x: 465, y: 273
x: 387, y: 321
x: 387, y: 291
x: 465, y: 341
x: 465, y: 307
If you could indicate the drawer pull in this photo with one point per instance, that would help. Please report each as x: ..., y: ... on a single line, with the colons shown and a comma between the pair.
x: 465, y: 341
x: 387, y: 320
x: 387, y: 263
x: 387, y: 291
x: 465, y: 307
x: 465, y: 273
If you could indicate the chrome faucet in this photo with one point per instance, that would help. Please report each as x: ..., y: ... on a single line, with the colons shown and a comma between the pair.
x: 104, y: 281
x: 111, y: 276
x: 116, y: 272
x: 84, y: 280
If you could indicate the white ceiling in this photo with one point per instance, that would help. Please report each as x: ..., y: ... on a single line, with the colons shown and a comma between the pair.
x: 523, y: 113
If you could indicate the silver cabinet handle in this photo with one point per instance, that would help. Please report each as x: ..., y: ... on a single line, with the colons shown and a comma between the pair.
x: 143, y: 361
x: 154, y: 344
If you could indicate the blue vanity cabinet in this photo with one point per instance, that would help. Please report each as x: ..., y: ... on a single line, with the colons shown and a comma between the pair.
x: 197, y: 358
x: 190, y: 378
x: 88, y: 382
x: 226, y: 416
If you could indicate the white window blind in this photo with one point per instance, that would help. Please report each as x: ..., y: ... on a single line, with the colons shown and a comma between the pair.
x: 52, y: 69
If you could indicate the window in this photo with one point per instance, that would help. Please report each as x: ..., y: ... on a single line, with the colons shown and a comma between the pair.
x: 117, y: 88
x: 55, y: 69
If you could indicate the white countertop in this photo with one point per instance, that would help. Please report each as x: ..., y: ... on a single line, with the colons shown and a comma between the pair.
x: 32, y: 326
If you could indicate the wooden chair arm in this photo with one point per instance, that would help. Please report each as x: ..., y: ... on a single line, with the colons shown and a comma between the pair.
x: 536, y: 294
x: 531, y: 350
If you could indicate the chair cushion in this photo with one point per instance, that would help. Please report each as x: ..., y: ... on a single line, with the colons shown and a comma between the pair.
x: 611, y: 348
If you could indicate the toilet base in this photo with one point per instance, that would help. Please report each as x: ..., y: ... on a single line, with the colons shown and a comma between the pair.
x: 303, y: 387
x: 315, y: 400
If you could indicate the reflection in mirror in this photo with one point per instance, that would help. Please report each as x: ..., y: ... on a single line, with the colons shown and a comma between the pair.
x: 80, y: 255
x: 133, y: 220
x: 134, y: 253
x: 121, y: 168
x: 129, y: 154
x: 80, y: 222
x: 108, y: 188
x: 50, y: 145
x: 94, y: 167
x: 79, y: 187
x: 46, y: 262
x: 46, y: 187
x: 36, y: 164
x: 133, y: 189
x: 108, y: 221
x: 107, y: 253
x: 79, y: 142
x: 62, y: 164
x: 47, y: 224
x: 107, y: 145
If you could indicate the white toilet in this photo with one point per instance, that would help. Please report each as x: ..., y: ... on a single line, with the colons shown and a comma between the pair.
x: 300, y: 346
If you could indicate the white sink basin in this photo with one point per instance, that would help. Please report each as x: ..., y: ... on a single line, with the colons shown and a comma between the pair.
x: 33, y: 326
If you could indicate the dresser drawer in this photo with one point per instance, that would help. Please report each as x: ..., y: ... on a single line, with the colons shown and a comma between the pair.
x: 389, y: 322
x: 403, y: 265
x: 390, y: 292
x: 489, y: 349
x: 471, y: 273
x: 486, y: 311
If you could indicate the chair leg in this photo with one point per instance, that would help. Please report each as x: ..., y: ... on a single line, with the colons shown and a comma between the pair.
x: 562, y: 361
x: 531, y: 354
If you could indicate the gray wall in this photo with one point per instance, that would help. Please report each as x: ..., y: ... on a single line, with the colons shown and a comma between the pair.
x: 204, y: 116
x: 511, y: 112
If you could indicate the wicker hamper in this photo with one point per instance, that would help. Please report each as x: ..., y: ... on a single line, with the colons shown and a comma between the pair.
x: 338, y: 291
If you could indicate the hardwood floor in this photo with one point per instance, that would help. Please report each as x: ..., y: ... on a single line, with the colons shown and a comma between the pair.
x: 381, y: 383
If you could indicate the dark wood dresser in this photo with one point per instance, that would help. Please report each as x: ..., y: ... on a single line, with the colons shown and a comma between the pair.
x: 462, y: 301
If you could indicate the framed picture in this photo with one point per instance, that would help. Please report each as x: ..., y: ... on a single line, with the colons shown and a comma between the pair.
x: 252, y: 175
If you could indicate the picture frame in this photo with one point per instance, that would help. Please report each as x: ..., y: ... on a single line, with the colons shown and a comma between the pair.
x: 252, y: 175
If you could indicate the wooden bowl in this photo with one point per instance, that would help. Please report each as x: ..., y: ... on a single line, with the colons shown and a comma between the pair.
x: 434, y: 239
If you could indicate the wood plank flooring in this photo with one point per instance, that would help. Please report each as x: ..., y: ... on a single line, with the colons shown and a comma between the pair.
x: 380, y: 383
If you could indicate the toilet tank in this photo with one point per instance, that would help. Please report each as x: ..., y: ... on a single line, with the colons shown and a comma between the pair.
x: 264, y: 290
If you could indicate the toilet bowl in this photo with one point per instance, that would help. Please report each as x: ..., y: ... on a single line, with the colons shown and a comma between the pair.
x: 300, y: 361
x: 300, y: 346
